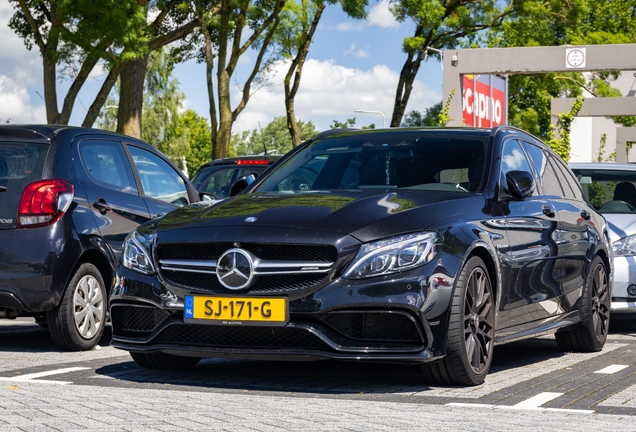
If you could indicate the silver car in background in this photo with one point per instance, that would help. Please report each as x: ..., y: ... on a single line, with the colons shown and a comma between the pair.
x: 611, y: 189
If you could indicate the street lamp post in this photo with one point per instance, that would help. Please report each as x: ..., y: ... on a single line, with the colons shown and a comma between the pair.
x: 374, y: 112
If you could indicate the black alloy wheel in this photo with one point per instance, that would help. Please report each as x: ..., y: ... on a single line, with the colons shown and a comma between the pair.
x: 591, y: 332
x: 471, y: 330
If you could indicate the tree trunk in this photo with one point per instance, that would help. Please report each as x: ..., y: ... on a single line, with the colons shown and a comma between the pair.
x: 296, y: 69
x: 50, y: 89
x: 404, y: 88
x: 131, y: 97
x: 102, y: 95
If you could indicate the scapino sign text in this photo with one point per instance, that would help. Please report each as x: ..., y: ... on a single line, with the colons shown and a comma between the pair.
x: 484, y: 100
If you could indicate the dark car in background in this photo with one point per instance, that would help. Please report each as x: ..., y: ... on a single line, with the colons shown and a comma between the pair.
x: 425, y: 246
x: 68, y: 198
x: 217, y: 176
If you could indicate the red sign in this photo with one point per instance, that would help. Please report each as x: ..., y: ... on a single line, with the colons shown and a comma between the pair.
x: 483, y: 100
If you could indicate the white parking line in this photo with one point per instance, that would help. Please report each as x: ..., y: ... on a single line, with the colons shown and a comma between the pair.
x: 33, y: 377
x: 538, y: 400
x: 612, y: 369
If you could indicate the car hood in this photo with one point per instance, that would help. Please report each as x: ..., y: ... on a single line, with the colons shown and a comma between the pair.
x: 364, y: 214
x: 620, y: 225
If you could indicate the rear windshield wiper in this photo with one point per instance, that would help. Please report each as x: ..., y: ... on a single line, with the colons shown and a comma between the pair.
x: 3, y: 188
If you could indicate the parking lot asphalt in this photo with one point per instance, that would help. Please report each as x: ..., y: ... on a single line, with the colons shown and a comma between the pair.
x: 532, y: 386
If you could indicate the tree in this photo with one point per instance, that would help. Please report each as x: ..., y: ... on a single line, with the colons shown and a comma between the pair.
x: 235, y: 27
x: 274, y: 138
x: 573, y: 22
x: 72, y: 37
x: 300, y: 21
x: 196, y: 129
x: 429, y: 118
x: 440, y: 24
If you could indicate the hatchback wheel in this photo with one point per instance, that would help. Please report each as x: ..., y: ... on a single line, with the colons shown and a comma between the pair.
x: 77, y: 323
x: 163, y: 361
x: 591, y: 332
x: 471, y: 330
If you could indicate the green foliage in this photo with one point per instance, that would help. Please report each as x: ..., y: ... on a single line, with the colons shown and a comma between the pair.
x: 559, y: 136
x: 274, y: 137
x: 349, y: 123
x: 557, y: 23
x: 444, y: 116
x: 599, y: 194
x: 162, y: 103
x: 196, y: 130
x: 429, y: 118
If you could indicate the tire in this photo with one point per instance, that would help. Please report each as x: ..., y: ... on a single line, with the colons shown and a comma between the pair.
x: 471, y: 330
x: 163, y: 361
x: 590, y: 333
x: 77, y: 323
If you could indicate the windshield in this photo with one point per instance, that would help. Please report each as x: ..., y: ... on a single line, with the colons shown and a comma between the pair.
x: 609, y: 191
x: 408, y: 160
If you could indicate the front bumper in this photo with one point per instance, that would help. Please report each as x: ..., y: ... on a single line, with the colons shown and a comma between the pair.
x: 624, y: 276
x: 383, y: 320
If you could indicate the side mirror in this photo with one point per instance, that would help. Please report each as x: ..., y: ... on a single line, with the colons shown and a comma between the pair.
x: 242, y: 183
x: 520, y: 184
x: 206, y: 196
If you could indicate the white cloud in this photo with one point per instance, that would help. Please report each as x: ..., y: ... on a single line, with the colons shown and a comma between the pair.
x: 356, y: 52
x: 16, y: 104
x: 329, y: 91
x: 349, y: 26
x: 381, y: 16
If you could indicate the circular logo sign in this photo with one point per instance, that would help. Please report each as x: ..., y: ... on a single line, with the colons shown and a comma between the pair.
x: 235, y: 269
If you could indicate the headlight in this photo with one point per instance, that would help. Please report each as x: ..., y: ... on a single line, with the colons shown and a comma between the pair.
x: 392, y: 255
x: 625, y: 246
x: 138, y: 252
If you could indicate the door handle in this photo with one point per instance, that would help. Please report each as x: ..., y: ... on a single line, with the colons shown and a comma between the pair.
x: 102, y: 206
x: 548, y: 211
x: 585, y: 215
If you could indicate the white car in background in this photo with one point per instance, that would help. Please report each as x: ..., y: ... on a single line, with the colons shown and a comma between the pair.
x: 611, y: 189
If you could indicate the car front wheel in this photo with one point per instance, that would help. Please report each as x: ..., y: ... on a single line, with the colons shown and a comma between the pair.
x: 471, y: 330
x: 77, y: 323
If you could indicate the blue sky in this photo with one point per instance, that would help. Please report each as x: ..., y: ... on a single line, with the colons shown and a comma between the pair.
x: 352, y: 65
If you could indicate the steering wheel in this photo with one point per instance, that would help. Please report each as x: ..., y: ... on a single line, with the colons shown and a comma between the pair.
x: 611, y: 206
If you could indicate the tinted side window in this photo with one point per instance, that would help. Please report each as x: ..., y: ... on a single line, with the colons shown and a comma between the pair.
x: 569, y: 183
x: 107, y: 165
x: 158, y: 178
x: 547, y: 175
x: 513, y: 159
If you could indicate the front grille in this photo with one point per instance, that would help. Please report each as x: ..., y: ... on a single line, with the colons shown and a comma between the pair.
x: 266, y: 251
x: 134, y: 320
x: 262, y: 285
x: 266, y: 284
x: 375, y: 326
x: 235, y: 337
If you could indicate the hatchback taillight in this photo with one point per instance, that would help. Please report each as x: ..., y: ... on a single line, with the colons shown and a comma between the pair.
x: 44, y: 202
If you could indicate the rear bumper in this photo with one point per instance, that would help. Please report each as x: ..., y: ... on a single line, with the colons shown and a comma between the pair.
x: 35, y: 265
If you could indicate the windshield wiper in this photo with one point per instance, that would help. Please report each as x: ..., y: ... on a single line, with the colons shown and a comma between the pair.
x: 3, y: 188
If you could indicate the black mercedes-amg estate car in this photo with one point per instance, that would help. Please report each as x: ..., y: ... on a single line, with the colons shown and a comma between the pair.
x: 423, y: 246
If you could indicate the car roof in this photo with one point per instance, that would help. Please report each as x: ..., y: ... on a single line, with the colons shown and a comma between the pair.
x: 45, y: 132
x: 602, y: 165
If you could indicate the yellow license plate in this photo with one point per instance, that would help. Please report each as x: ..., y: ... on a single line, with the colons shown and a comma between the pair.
x: 237, y: 310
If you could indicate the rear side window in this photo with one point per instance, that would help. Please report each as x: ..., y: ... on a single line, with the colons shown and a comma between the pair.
x: 218, y: 179
x: 107, y: 165
x: 20, y: 164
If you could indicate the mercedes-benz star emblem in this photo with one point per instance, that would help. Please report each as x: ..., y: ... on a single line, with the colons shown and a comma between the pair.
x: 235, y: 269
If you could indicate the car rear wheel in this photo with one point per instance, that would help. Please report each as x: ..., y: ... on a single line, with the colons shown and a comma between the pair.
x: 471, y: 330
x: 77, y: 323
x: 591, y: 332
x: 164, y: 361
